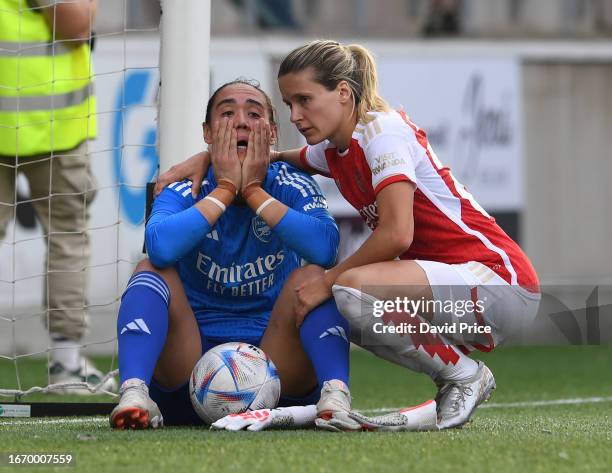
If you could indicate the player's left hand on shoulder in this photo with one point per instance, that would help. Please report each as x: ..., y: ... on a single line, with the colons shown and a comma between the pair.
x: 194, y: 169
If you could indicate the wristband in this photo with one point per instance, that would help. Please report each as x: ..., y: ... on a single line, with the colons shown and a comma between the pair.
x: 223, y: 194
x: 227, y: 185
x: 217, y: 202
x: 250, y: 188
x: 264, y: 205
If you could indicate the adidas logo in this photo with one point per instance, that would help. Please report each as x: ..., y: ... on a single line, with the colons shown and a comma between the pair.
x: 214, y: 235
x: 336, y: 331
x: 137, y: 325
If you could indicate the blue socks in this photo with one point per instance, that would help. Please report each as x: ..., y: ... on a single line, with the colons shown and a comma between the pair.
x: 325, y: 338
x: 142, y: 325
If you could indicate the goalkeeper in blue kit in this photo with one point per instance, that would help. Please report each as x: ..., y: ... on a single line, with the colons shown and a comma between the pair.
x: 223, y: 266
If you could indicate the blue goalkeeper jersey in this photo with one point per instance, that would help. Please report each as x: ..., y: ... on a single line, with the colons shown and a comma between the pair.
x: 234, y: 274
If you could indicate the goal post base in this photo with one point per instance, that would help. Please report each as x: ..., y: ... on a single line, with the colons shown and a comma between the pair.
x: 55, y: 409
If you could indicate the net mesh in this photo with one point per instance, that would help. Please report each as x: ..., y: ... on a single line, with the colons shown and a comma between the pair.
x: 122, y: 159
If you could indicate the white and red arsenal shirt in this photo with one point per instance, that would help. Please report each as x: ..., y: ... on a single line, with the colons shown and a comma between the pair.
x: 449, y: 225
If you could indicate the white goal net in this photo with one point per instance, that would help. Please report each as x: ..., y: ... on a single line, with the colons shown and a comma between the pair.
x: 123, y: 158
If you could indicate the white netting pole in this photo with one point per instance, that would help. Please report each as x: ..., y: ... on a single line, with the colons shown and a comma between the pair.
x: 185, y: 38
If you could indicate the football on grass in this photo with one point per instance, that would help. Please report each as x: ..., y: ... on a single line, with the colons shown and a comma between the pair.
x: 233, y: 378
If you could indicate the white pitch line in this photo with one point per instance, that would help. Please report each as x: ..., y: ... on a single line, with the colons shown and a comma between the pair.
x: 552, y: 402
x: 490, y: 405
x: 80, y: 420
x: 497, y: 405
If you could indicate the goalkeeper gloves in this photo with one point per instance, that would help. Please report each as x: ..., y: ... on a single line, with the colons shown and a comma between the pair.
x: 263, y: 419
x: 410, y: 419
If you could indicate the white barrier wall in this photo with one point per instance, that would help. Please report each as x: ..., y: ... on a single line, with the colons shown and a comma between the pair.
x: 568, y: 218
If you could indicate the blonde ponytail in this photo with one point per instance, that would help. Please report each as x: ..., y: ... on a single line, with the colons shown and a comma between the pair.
x: 332, y: 63
x: 366, y: 75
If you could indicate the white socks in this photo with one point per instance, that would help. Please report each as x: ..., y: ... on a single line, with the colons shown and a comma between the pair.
x: 67, y: 353
x: 432, y: 354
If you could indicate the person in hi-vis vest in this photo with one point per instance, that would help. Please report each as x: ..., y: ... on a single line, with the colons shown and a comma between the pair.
x: 47, y: 116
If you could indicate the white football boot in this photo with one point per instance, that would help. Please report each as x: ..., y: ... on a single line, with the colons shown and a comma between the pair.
x: 333, y: 408
x: 335, y: 397
x: 136, y: 410
x: 86, y: 379
x: 457, y: 400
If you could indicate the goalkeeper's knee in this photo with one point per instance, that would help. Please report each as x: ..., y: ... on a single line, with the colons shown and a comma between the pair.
x: 355, y: 306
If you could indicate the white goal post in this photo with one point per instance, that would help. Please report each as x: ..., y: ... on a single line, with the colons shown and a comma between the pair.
x: 184, y: 69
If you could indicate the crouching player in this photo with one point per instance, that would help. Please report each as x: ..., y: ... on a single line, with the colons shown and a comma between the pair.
x: 217, y: 264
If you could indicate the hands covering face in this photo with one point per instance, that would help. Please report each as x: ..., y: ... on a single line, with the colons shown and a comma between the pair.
x: 224, y: 153
x: 255, y: 166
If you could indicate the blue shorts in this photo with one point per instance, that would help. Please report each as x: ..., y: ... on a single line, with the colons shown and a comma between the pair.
x: 175, y: 405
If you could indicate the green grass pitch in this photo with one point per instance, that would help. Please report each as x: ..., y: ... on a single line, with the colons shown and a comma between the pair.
x: 503, y: 436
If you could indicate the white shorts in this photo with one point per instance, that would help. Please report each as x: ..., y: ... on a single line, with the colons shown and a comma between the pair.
x: 508, y: 310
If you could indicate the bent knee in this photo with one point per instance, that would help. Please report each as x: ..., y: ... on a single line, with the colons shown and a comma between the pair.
x: 354, y: 305
x: 146, y: 265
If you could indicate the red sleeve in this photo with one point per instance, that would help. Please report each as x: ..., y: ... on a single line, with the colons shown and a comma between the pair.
x: 390, y: 180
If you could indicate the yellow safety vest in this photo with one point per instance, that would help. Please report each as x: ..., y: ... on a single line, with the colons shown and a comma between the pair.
x: 46, y: 89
